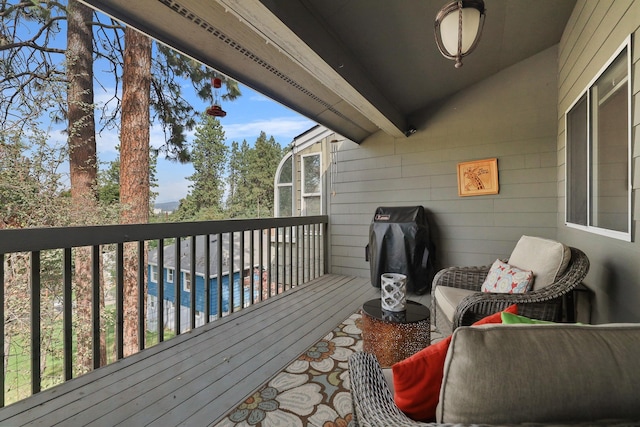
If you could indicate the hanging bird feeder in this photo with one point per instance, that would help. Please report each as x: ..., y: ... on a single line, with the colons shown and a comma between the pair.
x: 216, y: 110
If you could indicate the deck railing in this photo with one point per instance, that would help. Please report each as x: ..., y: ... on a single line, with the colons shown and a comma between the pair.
x: 246, y: 261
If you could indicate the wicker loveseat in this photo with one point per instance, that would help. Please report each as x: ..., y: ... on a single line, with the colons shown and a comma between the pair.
x: 457, y: 300
x: 559, y: 374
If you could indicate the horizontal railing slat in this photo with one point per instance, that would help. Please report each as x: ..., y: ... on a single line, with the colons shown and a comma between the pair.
x: 39, y: 239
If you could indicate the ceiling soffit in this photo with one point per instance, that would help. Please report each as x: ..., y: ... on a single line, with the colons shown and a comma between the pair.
x: 246, y: 42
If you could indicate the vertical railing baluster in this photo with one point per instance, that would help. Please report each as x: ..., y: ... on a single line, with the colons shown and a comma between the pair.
x: 207, y: 278
x: 269, y: 269
x: 320, y: 249
x: 219, y: 276
x: 119, y: 301
x: 313, y: 255
x: 95, y: 304
x: 284, y: 259
x: 261, y: 265
x: 67, y: 313
x: 194, y: 283
x: 286, y: 245
x: 291, y: 243
x: 319, y: 254
x: 230, y: 274
x: 142, y: 295
x: 305, y: 253
x: 252, y: 266
x: 242, y: 266
x: 35, y: 322
x: 2, y: 319
x: 177, y: 285
x: 299, y: 248
x: 160, y: 302
x: 277, y: 259
x: 268, y: 234
x: 325, y: 246
x: 309, y: 257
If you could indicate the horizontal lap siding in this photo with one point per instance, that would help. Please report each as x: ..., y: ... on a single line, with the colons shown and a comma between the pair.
x: 511, y: 116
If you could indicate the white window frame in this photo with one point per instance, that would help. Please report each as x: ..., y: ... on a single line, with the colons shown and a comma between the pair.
x: 303, y: 194
x: 154, y: 273
x: 186, y: 282
x: 587, y: 92
x: 170, y: 273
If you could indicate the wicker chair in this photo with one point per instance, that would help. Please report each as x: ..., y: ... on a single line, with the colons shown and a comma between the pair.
x: 373, y: 404
x: 543, y: 304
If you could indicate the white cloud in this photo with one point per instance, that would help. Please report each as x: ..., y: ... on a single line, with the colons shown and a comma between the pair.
x: 107, y: 141
x: 259, y: 98
x: 278, y: 127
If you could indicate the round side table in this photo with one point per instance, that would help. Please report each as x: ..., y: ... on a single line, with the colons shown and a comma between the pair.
x: 394, y: 336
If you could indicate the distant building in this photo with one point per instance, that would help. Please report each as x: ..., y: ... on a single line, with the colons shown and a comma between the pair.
x: 188, y: 284
x: 165, y: 208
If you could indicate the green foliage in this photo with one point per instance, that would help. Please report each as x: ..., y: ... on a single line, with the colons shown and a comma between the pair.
x: 109, y: 180
x: 29, y: 177
x: 109, y: 183
x: 251, y: 174
x: 209, y: 156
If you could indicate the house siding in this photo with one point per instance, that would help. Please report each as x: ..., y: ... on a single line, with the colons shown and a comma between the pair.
x: 511, y: 116
x: 594, y: 32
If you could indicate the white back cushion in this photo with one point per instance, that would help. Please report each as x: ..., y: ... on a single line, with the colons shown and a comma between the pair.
x: 547, y: 259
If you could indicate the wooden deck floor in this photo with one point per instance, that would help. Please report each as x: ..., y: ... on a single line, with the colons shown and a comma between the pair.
x: 198, y: 377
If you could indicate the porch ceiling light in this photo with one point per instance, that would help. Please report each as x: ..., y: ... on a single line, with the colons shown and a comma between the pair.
x: 458, y: 28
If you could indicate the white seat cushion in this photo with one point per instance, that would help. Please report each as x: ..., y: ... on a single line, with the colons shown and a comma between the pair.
x: 547, y: 259
x: 448, y: 299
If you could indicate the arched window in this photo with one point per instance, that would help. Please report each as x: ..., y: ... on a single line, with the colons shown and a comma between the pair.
x: 284, y: 187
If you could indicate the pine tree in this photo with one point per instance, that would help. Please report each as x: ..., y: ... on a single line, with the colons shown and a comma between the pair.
x: 251, y: 174
x: 209, y: 157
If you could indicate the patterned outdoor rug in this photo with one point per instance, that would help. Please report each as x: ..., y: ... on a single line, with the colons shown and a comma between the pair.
x: 311, y: 391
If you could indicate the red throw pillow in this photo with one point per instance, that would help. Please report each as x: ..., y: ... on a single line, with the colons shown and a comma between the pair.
x: 417, y: 379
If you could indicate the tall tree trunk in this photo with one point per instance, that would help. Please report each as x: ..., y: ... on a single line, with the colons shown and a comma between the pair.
x: 82, y: 160
x: 134, y: 164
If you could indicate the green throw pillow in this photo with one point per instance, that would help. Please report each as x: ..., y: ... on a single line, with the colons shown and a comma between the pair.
x: 513, y: 319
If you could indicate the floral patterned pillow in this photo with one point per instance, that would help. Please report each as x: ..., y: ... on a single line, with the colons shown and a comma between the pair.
x: 507, y: 279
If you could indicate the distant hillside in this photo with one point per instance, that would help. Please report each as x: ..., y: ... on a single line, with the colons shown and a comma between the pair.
x: 167, y: 206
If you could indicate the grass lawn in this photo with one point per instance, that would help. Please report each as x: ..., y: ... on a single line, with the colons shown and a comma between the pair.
x: 18, y: 362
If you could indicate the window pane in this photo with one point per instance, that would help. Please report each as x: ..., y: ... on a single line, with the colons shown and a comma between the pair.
x: 312, y: 206
x: 284, y: 201
x: 286, y: 172
x: 311, y: 167
x: 577, y: 163
x: 610, y: 124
